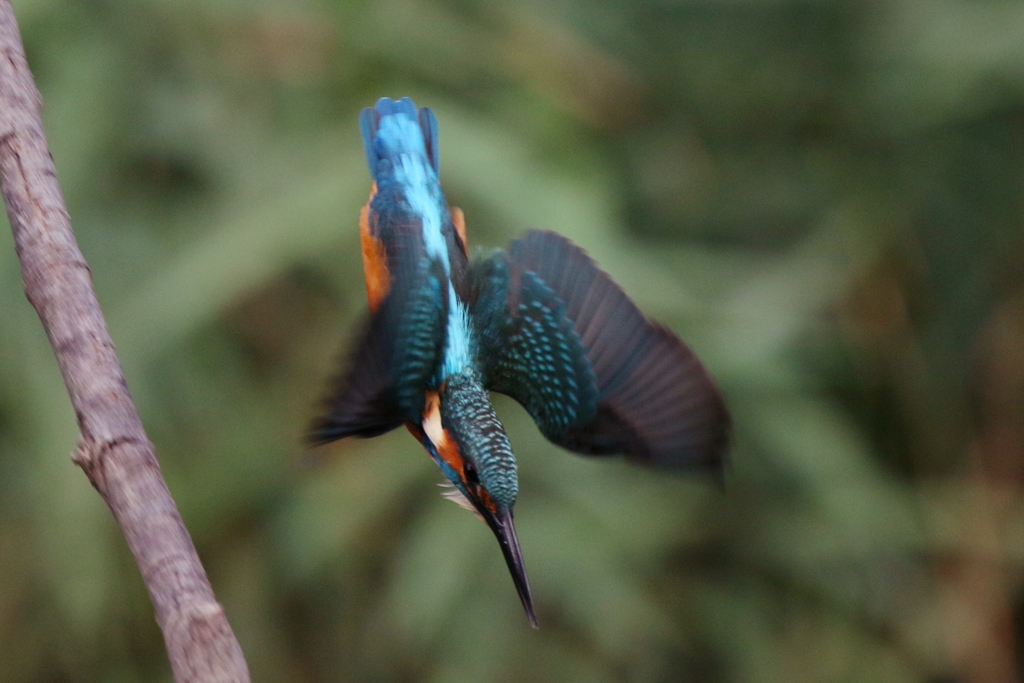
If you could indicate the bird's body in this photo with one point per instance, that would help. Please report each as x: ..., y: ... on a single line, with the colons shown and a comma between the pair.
x: 540, y: 323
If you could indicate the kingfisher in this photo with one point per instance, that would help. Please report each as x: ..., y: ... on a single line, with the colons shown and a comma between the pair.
x: 539, y: 322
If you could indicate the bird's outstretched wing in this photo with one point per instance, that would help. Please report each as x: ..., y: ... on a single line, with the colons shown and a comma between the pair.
x: 396, y: 355
x: 560, y: 337
x: 528, y: 349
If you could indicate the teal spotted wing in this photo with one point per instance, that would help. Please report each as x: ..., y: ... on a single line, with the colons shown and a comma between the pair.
x: 627, y: 385
x: 528, y: 349
x: 395, y: 357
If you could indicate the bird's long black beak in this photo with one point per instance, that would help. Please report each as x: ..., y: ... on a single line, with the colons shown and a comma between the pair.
x: 505, y: 529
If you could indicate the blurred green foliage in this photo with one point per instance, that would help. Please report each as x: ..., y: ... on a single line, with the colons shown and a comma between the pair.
x: 823, y: 198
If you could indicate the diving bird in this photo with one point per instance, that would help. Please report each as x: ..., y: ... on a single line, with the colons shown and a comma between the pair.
x: 538, y: 322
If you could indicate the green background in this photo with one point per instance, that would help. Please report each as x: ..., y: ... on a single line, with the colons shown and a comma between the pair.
x: 822, y: 198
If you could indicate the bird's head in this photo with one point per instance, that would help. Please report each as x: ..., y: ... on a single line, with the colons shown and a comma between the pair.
x: 462, y: 433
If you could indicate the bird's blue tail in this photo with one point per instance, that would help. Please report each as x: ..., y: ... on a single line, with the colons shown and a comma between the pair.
x: 394, y: 127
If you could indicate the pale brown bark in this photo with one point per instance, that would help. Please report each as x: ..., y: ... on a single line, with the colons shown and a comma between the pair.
x: 114, y: 451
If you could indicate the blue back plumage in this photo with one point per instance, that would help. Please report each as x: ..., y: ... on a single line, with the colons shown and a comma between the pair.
x: 401, y: 152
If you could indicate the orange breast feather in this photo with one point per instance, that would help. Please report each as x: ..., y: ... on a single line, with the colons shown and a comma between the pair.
x: 438, y: 435
x: 375, y: 262
x: 459, y: 221
x: 448, y: 449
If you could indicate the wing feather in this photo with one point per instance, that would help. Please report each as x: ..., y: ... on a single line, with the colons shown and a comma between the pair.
x: 656, y: 402
x: 396, y: 357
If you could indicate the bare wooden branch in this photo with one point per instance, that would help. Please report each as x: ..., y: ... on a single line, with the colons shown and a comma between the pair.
x: 114, y: 451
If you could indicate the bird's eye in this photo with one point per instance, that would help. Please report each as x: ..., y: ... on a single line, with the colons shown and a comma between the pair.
x: 469, y: 468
